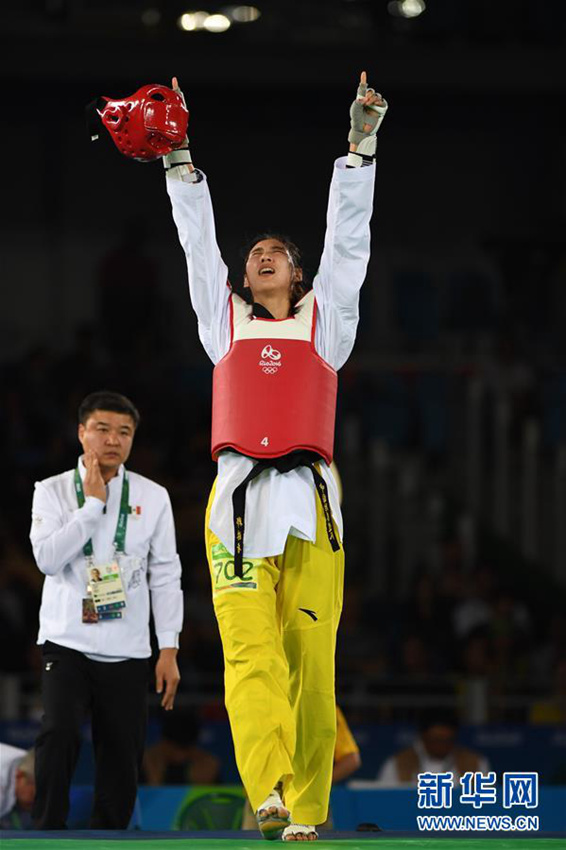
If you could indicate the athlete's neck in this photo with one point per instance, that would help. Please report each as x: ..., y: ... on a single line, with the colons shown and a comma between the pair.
x: 278, y: 306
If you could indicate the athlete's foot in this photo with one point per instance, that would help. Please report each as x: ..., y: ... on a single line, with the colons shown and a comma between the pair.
x: 299, y: 832
x: 272, y: 816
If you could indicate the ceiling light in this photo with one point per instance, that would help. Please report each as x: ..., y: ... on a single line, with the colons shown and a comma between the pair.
x: 406, y: 8
x: 192, y: 21
x: 217, y: 23
x: 244, y: 14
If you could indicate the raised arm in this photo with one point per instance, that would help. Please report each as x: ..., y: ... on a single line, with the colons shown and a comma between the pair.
x: 208, y: 275
x: 346, y: 251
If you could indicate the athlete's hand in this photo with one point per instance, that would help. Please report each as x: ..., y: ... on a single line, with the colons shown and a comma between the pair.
x: 167, y: 672
x: 366, y: 114
x: 182, y: 155
x: 93, y: 484
x: 175, y: 86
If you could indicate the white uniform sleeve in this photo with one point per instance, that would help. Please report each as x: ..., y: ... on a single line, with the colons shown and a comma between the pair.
x: 164, y: 579
x: 55, y: 540
x: 344, y: 261
x: 208, y: 274
x: 388, y: 775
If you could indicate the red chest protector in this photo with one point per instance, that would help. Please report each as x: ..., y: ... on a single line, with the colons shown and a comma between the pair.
x: 272, y: 393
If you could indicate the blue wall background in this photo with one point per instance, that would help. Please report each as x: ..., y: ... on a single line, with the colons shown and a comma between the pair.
x: 518, y: 748
x: 158, y: 809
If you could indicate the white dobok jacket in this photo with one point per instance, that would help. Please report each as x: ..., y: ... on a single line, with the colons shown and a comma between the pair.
x: 277, y: 504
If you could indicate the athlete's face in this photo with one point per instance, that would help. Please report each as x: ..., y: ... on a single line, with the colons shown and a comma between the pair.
x: 270, y: 269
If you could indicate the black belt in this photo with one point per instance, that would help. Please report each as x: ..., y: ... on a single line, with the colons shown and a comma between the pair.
x: 281, y: 464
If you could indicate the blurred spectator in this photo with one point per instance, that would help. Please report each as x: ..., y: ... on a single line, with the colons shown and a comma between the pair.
x: 508, y: 373
x: 347, y: 757
x: 20, y: 591
x: 177, y: 759
x: 17, y: 787
x: 356, y: 646
x: 552, y: 709
x: 435, y: 750
x: 415, y: 664
x: 548, y: 653
x: 475, y: 609
x: 428, y: 616
x: 510, y: 617
x: 510, y: 630
x: 201, y: 648
x: 476, y: 659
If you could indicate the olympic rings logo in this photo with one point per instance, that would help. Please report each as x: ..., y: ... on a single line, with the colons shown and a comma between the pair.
x: 270, y: 352
x: 270, y: 370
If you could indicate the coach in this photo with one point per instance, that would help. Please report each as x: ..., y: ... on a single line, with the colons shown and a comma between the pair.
x: 104, y: 537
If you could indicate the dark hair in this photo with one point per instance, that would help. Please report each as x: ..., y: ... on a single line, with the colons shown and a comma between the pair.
x: 106, y: 400
x: 299, y: 287
x: 437, y: 717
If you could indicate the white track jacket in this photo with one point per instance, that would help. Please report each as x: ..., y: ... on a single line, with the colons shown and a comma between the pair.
x: 150, y: 566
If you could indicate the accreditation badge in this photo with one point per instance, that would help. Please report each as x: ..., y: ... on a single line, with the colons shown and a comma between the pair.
x: 89, y: 611
x: 106, y: 591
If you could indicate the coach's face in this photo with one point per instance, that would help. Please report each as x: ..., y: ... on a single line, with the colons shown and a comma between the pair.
x: 109, y: 435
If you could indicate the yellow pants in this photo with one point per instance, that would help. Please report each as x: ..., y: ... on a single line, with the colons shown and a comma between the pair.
x: 278, y: 628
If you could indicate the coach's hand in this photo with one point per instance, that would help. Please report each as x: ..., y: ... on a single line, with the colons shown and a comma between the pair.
x: 167, y: 673
x: 93, y: 484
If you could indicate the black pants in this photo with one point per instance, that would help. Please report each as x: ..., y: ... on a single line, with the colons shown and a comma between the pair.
x: 114, y: 694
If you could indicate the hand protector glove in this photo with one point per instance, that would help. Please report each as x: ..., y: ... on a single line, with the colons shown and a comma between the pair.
x: 362, y: 115
x: 182, y: 156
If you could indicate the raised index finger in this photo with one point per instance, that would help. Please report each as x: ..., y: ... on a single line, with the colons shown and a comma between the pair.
x: 363, y: 78
x: 175, y: 84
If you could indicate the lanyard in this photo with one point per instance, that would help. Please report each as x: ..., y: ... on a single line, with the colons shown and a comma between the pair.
x: 120, y: 536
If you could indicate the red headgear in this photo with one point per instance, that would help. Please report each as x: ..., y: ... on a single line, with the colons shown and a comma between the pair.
x: 148, y: 124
